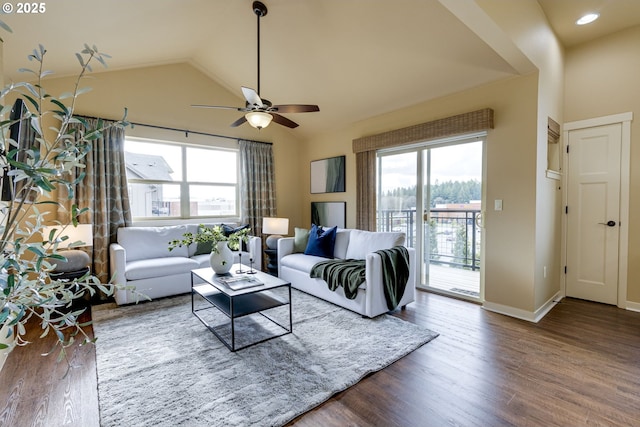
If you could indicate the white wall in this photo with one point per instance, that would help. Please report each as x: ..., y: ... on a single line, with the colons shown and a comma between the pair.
x: 603, y: 78
x: 526, y: 24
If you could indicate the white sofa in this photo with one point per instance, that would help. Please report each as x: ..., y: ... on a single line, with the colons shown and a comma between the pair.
x: 355, y: 244
x: 141, y: 258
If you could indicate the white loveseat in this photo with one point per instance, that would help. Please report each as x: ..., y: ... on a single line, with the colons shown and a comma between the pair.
x: 349, y: 244
x: 141, y: 258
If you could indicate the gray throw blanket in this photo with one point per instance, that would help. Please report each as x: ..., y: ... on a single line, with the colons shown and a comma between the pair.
x: 350, y: 273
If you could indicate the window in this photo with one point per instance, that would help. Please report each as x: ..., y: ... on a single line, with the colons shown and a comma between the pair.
x: 171, y: 180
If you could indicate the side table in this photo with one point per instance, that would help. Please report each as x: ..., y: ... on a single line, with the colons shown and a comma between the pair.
x: 272, y: 263
x: 69, y: 275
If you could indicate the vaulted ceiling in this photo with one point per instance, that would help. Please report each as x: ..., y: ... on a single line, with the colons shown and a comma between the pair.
x: 354, y: 58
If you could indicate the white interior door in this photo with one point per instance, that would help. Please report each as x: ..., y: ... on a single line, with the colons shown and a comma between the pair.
x: 593, y: 217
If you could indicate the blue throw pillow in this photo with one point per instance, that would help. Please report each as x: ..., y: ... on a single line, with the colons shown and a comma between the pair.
x: 321, y: 242
x: 228, y: 230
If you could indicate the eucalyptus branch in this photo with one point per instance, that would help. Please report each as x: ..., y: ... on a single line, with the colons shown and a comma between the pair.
x: 16, y: 214
x: 27, y: 290
x: 61, y: 326
x: 85, y: 65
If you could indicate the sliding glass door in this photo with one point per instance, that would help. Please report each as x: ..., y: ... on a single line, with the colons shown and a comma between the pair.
x: 433, y: 193
x: 398, y: 194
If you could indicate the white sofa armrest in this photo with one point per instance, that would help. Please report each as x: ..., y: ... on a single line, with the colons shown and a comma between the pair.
x: 117, y: 266
x: 376, y: 303
x: 285, y: 247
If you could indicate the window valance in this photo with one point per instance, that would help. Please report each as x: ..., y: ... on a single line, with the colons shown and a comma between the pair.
x: 366, y: 147
x: 460, y: 124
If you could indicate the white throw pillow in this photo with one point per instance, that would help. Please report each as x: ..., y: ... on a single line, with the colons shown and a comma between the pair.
x: 363, y: 242
x: 342, y: 243
x: 151, y: 242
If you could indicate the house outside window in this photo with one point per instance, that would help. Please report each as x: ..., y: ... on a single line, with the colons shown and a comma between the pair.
x: 172, y: 180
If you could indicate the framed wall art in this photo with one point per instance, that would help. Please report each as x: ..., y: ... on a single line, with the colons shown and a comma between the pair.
x: 328, y: 175
x: 329, y: 214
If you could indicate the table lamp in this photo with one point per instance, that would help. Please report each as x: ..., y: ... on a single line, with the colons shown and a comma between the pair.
x: 275, y: 227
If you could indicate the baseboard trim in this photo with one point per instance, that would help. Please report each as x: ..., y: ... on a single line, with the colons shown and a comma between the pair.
x: 509, y: 311
x: 632, y: 306
x: 529, y: 316
x: 547, y: 306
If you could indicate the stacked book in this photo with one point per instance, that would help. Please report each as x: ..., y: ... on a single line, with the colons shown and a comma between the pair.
x: 238, y: 282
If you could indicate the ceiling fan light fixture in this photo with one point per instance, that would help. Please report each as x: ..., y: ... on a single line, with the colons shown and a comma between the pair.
x: 257, y: 109
x: 258, y: 119
x: 587, y: 19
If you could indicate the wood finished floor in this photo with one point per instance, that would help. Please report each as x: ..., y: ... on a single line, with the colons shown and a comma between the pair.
x: 580, y: 366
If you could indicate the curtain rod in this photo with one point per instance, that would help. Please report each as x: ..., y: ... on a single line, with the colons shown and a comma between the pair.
x: 185, y: 131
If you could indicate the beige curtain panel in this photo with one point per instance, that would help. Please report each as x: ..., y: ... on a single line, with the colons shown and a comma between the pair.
x: 104, y: 191
x: 258, y: 188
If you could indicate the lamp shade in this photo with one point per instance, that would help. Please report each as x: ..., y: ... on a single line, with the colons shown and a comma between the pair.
x: 81, y: 233
x: 275, y: 225
x: 258, y: 119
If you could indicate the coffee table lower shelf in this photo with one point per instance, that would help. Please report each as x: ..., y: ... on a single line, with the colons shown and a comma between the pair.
x: 236, y: 306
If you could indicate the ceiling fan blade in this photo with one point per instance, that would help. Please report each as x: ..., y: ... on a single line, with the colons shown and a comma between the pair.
x: 259, y: 107
x: 238, y: 122
x: 252, y: 97
x: 295, y: 108
x: 281, y: 120
x: 217, y: 106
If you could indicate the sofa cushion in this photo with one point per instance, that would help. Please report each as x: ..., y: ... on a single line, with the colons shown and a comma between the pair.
x: 342, y: 243
x: 363, y: 242
x: 321, y: 242
x: 202, y: 260
x: 151, y: 242
x: 202, y: 247
x: 300, y: 239
x: 305, y: 263
x: 158, y: 267
x: 199, y: 248
x: 301, y: 262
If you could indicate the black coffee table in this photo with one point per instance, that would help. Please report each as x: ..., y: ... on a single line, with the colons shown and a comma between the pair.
x: 239, y: 303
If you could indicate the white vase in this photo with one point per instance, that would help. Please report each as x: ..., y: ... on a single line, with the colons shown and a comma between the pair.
x: 222, y: 259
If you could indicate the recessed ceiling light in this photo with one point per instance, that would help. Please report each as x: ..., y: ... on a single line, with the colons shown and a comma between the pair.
x: 587, y: 19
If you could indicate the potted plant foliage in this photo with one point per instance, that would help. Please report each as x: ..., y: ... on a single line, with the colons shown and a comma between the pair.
x: 27, y: 290
x: 221, y: 243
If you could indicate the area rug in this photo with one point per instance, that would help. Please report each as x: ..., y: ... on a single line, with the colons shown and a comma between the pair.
x: 158, y: 365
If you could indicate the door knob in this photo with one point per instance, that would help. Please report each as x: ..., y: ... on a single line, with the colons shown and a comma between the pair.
x: 608, y: 223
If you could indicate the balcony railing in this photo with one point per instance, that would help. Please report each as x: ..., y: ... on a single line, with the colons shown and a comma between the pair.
x: 453, y: 234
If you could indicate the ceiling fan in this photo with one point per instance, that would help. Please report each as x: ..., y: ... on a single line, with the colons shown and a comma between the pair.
x: 260, y: 112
